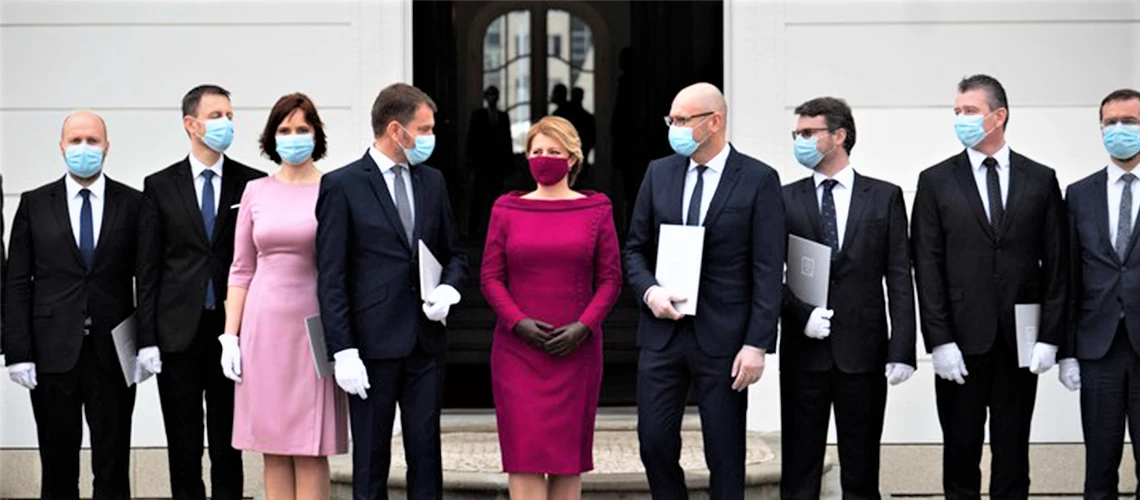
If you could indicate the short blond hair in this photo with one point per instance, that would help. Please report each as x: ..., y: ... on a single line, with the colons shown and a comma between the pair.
x: 561, y: 130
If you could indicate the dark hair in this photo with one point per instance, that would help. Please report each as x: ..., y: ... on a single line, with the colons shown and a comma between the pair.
x: 1118, y: 95
x: 193, y: 98
x: 285, y: 106
x: 398, y: 101
x: 837, y: 114
x: 995, y: 93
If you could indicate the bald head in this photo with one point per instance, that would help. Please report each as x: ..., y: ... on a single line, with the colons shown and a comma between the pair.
x: 83, y: 127
x: 703, y: 97
x: 701, y: 107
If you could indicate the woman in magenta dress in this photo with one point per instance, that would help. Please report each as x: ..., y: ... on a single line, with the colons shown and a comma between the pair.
x: 281, y: 408
x: 551, y: 271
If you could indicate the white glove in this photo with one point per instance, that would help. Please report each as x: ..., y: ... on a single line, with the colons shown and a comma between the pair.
x: 948, y: 363
x: 231, y: 356
x: 350, y: 373
x: 1070, y: 374
x: 898, y: 373
x: 150, y: 359
x: 23, y: 374
x: 439, y: 302
x: 1043, y: 358
x: 660, y: 301
x: 819, y: 323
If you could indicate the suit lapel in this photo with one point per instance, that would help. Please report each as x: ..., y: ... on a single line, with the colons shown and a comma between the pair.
x: 1099, y: 197
x: 676, y: 195
x: 184, y: 184
x: 810, y: 204
x: 860, y: 192
x: 724, y: 187
x: 1016, y: 189
x: 384, y: 196
x: 110, y: 216
x: 963, y: 172
x: 230, y: 183
x: 419, y: 210
x: 63, y: 218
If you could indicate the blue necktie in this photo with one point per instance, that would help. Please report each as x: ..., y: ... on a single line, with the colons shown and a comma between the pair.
x: 208, y: 214
x: 86, y: 230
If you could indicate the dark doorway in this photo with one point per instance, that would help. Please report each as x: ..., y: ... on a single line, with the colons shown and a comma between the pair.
x: 620, y: 63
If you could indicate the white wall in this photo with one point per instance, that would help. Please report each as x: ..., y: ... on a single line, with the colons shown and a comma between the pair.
x: 133, y: 61
x: 897, y: 64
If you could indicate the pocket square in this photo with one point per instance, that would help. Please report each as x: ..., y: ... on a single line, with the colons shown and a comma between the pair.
x: 235, y: 206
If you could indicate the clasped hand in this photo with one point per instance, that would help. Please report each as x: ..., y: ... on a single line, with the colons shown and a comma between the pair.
x: 555, y: 341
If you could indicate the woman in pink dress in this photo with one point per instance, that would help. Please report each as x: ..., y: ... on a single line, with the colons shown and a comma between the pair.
x: 281, y: 408
x: 551, y: 271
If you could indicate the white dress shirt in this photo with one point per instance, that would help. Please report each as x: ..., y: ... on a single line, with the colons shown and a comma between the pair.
x: 1002, y: 157
x: 75, y: 205
x: 711, y: 180
x: 841, y: 193
x: 1115, y: 191
x: 196, y: 169
x: 386, y: 165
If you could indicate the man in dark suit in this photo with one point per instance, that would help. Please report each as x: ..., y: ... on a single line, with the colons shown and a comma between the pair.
x: 371, y: 216
x: 187, y: 225
x: 1105, y: 298
x: 70, y: 283
x: 489, y: 157
x: 988, y: 232
x: 842, y: 353
x: 720, y: 349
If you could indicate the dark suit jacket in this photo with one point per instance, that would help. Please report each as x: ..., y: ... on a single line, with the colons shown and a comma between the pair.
x: 1102, y: 286
x: 875, y: 248
x: 743, y: 261
x: 178, y: 260
x: 489, y: 149
x: 970, y: 277
x: 369, y: 273
x: 49, y: 289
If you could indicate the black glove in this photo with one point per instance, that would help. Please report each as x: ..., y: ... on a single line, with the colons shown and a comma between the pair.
x: 567, y: 338
x: 534, y: 332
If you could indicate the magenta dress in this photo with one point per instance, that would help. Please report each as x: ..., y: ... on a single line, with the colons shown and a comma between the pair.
x: 555, y: 261
x: 280, y: 406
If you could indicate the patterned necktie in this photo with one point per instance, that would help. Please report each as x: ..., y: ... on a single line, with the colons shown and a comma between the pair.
x: 209, y: 213
x: 403, y: 207
x: 1124, y: 222
x: 993, y: 189
x: 86, y: 230
x: 694, y: 216
x: 828, y: 218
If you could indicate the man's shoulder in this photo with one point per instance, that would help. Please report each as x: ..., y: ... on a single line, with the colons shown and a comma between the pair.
x: 1084, y: 185
x: 232, y: 166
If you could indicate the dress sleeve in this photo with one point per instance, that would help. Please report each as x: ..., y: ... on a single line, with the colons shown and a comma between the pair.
x: 607, y: 273
x: 245, y: 251
x: 493, y: 276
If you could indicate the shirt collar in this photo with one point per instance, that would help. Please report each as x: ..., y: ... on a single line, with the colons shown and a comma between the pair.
x: 97, y: 188
x: 381, y: 160
x: 977, y: 157
x: 717, y: 162
x: 845, y: 177
x: 1115, y: 173
x: 197, y: 167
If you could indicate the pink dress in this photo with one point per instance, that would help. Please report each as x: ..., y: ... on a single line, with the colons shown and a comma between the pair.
x: 558, y: 262
x: 280, y: 406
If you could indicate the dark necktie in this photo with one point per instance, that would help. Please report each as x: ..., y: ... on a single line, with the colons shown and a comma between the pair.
x: 209, y: 212
x: 993, y: 188
x: 828, y: 218
x: 694, y: 216
x: 86, y: 230
x: 1124, y: 222
x: 403, y: 207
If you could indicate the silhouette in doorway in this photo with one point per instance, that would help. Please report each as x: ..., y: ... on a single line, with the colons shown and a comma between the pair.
x: 583, y: 122
x: 558, y: 99
x: 489, y: 158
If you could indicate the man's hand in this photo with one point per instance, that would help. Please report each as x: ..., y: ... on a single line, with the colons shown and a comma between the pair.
x: 351, y: 375
x: 949, y: 364
x: 898, y: 373
x: 1070, y: 374
x: 661, y: 300
x: 747, y: 368
x: 1043, y: 358
x: 819, y: 323
x: 439, y: 302
x: 23, y: 374
x: 150, y: 360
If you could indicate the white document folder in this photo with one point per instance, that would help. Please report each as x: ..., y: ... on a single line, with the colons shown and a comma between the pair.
x: 679, y: 253
x: 431, y: 272
x: 1026, y: 318
x: 124, y: 338
x: 808, y: 270
x: 317, y: 345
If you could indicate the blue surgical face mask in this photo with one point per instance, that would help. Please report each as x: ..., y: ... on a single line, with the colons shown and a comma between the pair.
x: 1122, y: 140
x: 971, y: 129
x: 681, y: 139
x: 294, y: 149
x: 84, y: 160
x: 421, y: 149
x: 807, y: 152
x: 219, y: 133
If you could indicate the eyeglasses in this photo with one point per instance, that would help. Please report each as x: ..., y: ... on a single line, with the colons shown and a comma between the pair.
x: 680, y: 121
x: 806, y: 133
